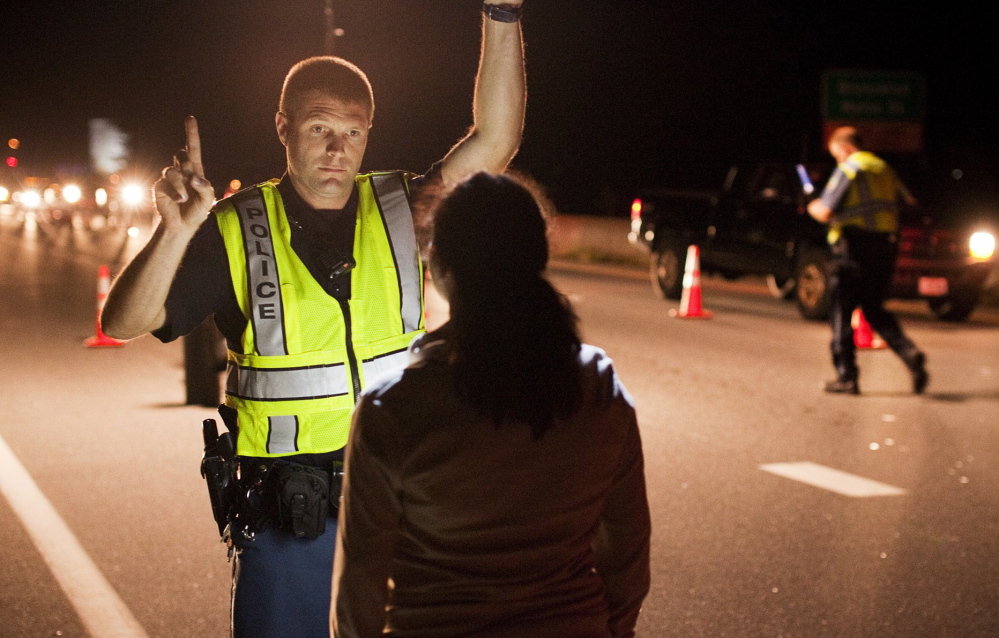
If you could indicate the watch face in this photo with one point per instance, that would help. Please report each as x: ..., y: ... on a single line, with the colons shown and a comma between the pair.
x: 502, y: 13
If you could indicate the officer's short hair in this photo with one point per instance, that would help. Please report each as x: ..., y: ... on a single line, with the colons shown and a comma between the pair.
x: 332, y: 76
x: 847, y: 135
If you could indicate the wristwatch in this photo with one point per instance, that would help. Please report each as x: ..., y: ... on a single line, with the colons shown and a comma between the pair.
x: 502, y: 12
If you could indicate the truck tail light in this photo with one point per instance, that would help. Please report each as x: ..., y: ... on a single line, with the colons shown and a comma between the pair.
x: 636, y: 209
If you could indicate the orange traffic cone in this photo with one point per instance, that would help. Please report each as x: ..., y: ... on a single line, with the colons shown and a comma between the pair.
x: 690, y: 301
x: 100, y: 340
x: 863, y: 336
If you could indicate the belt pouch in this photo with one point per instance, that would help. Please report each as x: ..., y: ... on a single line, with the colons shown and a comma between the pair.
x: 302, y: 498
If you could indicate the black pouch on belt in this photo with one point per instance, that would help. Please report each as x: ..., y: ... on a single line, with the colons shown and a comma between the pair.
x: 302, y: 498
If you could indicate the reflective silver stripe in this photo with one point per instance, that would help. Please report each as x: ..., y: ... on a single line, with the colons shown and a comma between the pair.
x: 282, y: 435
x: 390, y: 192
x: 263, y: 285
x: 287, y: 384
x: 867, y: 211
x: 390, y: 362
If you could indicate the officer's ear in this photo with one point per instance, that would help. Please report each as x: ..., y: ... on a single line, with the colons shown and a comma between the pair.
x: 439, y: 274
x: 281, y: 123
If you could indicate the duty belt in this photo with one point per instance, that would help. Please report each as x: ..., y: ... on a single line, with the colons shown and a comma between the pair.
x: 290, y: 496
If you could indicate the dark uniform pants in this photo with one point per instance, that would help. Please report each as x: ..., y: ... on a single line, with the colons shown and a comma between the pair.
x: 281, y: 585
x: 863, y: 265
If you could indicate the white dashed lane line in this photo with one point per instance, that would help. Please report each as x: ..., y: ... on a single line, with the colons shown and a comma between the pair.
x: 96, y: 602
x: 833, y: 480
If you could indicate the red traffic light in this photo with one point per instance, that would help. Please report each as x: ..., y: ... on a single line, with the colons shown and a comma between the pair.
x: 12, y: 161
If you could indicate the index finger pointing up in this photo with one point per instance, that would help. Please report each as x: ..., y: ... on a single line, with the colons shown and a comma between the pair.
x: 194, y: 145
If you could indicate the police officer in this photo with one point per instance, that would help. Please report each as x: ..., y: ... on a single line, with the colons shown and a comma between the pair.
x: 860, y: 204
x: 315, y: 280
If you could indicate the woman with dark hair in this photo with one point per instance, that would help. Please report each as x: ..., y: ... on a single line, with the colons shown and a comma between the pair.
x: 495, y: 487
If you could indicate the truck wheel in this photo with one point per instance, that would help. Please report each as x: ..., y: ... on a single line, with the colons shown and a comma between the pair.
x: 666, y: 269
x: 954, y: 307
x: 780, y: 287
x: 812, y: 286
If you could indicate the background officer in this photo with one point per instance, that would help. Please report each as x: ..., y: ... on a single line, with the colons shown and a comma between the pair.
x: 860, y: 204
x: 315, y: 280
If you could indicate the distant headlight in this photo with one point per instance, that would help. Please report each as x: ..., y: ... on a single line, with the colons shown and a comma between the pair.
x: 132, y: 194
x: 71, y: 193
x: 982, y: 245
x: 31, y: 199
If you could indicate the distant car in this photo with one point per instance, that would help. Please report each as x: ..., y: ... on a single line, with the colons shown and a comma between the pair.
x: 757, y: 224
x: 91, y: 202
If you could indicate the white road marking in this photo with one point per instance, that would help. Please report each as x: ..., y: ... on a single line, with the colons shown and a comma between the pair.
x: 100, y: 609
x: 831, y: 479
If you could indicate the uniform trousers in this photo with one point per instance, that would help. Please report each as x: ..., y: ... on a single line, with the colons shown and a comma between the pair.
x: 862, y: 268
x: 281, y: 585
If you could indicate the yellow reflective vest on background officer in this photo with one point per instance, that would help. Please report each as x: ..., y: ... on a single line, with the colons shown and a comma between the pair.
x: 863, y: 191
x: 306, y: 355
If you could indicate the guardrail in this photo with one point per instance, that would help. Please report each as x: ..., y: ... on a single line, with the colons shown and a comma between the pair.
x: 601, y: 240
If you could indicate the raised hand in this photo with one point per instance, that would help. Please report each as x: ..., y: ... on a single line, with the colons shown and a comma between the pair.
x: 183, y: 195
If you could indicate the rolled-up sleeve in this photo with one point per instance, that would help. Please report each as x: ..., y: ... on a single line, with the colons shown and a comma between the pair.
x: 201, y: 287
x: 370, y: 511
x: 836, y: 188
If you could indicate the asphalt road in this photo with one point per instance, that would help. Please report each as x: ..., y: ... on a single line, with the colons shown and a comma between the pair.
x: 738, y: 549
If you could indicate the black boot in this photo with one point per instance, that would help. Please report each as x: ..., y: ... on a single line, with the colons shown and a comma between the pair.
x: 917, y: 367
x: 842, y: 386
x: 846, y: 372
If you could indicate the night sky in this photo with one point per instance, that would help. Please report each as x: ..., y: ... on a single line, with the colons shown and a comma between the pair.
x: 621, y: 94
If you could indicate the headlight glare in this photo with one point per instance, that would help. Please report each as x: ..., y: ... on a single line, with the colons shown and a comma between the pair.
x: 72, y: 193
x: 31, y: 199
x: 132, y: 194
x: 982, y: 245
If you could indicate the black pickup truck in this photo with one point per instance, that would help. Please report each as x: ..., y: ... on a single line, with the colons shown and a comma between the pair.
x: 757, y: 225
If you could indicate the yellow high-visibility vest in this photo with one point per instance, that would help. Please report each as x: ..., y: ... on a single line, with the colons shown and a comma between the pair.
x: 307, y: 355
x: 871, y: 202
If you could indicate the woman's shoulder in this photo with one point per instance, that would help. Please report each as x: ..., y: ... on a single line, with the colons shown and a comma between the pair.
x: 422, y: 380
x: 590, y: 354
x: 600, y: 377
x: 595, y: 361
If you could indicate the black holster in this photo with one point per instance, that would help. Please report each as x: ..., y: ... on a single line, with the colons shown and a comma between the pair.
x: 218, y: 468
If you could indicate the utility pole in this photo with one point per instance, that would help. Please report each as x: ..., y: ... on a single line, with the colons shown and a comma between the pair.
x: 332, y: 33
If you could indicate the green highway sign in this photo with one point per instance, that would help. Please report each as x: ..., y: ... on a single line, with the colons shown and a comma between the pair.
x: 886, y: 107
x: 873, y: 96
